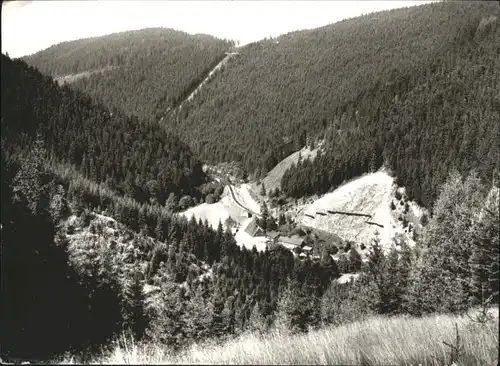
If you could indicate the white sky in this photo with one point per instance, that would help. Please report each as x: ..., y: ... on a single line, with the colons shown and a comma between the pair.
x: 28, y: 27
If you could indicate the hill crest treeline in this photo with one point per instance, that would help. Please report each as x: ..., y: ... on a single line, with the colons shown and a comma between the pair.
x: 144, y: 72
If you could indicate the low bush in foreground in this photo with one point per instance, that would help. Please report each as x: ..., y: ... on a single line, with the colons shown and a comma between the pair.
x: 400, y: 340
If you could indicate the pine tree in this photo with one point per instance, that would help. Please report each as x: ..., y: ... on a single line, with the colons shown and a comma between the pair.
x: 329, y: 268
x: 264, y: 212
x: 354, y: 260
x: 32, y: 180
x: 263, y: 190
x: 484, y: 256
x: 282, y: 219
x: 159, y: 233
x: 217, y: 321
x: 282, y: 316
x: 172, y: 202
x: 198, y: 317
x: 257, y: 323
x: 375, y: 257
x: 392, y: 286
x: 135, y: 316
x: 441, y: 278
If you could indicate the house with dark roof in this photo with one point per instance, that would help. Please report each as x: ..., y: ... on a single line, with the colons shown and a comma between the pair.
x: 273, y: 236
x: 291, y: 242
x: 253, y: 229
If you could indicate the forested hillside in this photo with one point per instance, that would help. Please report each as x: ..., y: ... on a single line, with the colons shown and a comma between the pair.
x: 91, y: 250
x: 135, y: 158
x: 135, y: 71
x: 56, y: 147
x: 110, y: 266
x: 41, y: 293
x: 415, y: 88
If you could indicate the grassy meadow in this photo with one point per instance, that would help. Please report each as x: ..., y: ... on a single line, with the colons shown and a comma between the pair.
x: 378, y: 340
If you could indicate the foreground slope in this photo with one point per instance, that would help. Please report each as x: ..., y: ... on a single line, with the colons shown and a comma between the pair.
x: 134, y: 71
x: 376, y: 341
x: 414, y: 87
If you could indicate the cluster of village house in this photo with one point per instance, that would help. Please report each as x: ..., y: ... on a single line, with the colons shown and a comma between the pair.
x: 294, y: 243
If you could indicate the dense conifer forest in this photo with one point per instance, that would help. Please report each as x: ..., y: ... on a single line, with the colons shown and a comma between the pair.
x: 38, y: 176
x: 91, y: 246
x: 133, y: 157
x: 143, y: 71
x: 416, y: 89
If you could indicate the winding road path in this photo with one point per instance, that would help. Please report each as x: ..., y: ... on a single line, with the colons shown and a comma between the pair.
x: 236, y: 200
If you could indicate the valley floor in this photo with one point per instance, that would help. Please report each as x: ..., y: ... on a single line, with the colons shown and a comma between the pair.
x: 375, y: 341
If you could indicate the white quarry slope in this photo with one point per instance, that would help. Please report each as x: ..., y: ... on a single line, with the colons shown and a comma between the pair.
x: 273, y: 178
x: 370, y: 194
x: 226, y: 207
x: 213, y: 213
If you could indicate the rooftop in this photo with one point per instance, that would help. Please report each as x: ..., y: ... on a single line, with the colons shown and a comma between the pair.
x: 293, y: 240
x: 273, y: 234
x: 253, y: 229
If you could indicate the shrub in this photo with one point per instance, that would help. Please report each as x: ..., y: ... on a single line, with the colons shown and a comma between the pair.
x: 185, y: 202
x: 343, y: 264
x: 86, y: 217
x: 70, y: 229
x: 210, y: 198
x: 398, y: 195
x: 424, y: 220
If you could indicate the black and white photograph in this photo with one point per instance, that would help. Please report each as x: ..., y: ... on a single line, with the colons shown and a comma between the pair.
x: 243, y: 182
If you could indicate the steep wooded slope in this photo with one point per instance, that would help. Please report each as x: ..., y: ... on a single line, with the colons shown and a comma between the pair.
x: 135, y: 71
x: 133, y: 157
x: 415, y: 87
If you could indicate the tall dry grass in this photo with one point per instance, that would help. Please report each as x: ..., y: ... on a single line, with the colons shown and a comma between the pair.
x: 377, y: 341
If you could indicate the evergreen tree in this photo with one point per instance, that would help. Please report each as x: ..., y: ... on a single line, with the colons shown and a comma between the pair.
x: 440, y: 280
x: 217, y: 323
x: 198, y: 317
x: 39, y: 290
x: 257, y: 323
x: 354, y: 260
x: 135, y: 316
x: 265, y: 216
x: 172, y: 202
x: 484, y: 257
x: 263, y: 190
